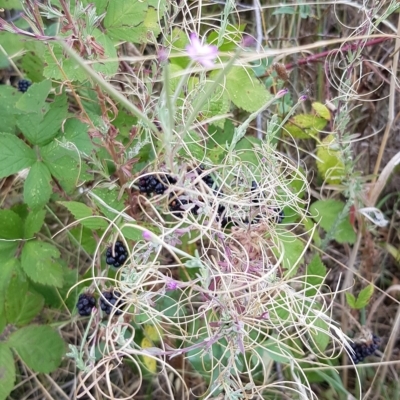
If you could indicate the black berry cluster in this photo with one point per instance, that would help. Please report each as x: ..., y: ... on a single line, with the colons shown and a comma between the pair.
x: 85, y: 304
x: 362, y: 350
x: 153, y: 184
x: 175, y: 206
x: 207, y: 179
x: 120, y: 255
x: 110, y: 300
x: 23, y: 85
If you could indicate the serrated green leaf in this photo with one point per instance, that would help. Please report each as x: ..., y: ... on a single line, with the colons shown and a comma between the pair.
x: 217, y: 104
x: 85, y: 238
x: 7, y: 371
x: 277, y: 353
x: 7, y: 251
x: 351, y: 300
x: 316, y: 272
x: 11, y: 225
x: 76, y: 132
x: 364, y: 297
x: 40, y: 347
x: 150, y: 24
x: 32, y: 60
x: 6, y: 272
x: 39, y: 263
x: 246, y: 91
x: 82, y: 213
x: 64, y: 164
x: 329, y: 162
x: 42, y: 128
x: 124, y: 123
x: 112, y: 198
x: 321, y: 110
x: 34, y: 99
x: 15, y: 155
x: 12, y: 45
x: 33, y: 223
x: 305, y: 126
x: 326, y: 212
x: 8, y: 97
x: 37, y: 187
x: 21, y: 303
x: 320, y: 336
x: 292, y: 251
x: 125, y: 20
x: 70, y: 69
x: 131, y: 233
x: 108, y: 68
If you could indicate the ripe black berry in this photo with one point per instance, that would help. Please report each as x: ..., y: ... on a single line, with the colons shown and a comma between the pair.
x: 109, y: 301
x: 207, y: 179
x: 153, y: 184
x: 362, y: 350
x: 175, y: 206
x: 85, y: 304
x: 279, y: 215
x: 23, y: 85
x: 120, y: 255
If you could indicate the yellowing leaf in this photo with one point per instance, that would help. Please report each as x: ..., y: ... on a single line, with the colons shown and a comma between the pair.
x: 149, y: 362
x: 329, y: 162
x: 321, y: 110
x: 151, y: 333
x: 305, y: 126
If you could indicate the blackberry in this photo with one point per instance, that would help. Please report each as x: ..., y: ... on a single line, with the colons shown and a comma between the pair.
x: 363, y: 350
x: 23, y: 85
x: 279, y: 215
x: 207, y: 179
x: 85, y: 304
x: 175, y: 206
x: 152, y: 184
x: 110, y: 300
x: 120, y: 255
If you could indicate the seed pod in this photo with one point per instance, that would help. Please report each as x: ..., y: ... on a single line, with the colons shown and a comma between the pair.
x: 281, y: 71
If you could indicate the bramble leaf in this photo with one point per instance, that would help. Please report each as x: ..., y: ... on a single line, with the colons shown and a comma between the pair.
x: 316, y: 272
x: 39, y: 263
x: 33, y: 223
x: 321, y: 110
x: 81, y: 212
x: 21, y: 303
x: 364, y: 296
x: 351, y: 300
x: 8, y: 97
x: 11, y: 226
x: 125, y: 20
x: 326, y: 212
x: 40, y: 347
x: 33, y: 101
x: 64, y: 164
x: 246, y: 91
x: 15, y: 155
x: 7, y: 370
x: 41, y: 128
x: 329, y: 162
x: 37, y: 187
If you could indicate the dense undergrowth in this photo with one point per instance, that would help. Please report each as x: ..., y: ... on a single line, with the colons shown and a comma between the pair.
x: 198, y: 200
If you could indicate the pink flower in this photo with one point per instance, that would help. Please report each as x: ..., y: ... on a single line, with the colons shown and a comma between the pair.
x: 147, y: 235
x: 204, y: 54
x: 281, y: 93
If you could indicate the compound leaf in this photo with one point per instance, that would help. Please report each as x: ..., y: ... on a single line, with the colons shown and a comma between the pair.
x: 39, y: 263
x: 40, y: 347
